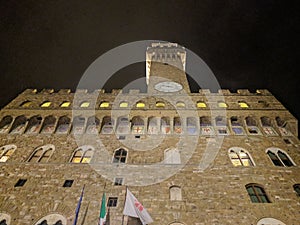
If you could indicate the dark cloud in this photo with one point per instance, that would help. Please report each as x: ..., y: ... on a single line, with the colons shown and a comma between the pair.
x: 247, y: 44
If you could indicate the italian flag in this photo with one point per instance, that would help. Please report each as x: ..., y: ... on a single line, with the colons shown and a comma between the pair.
x: 103, y: 211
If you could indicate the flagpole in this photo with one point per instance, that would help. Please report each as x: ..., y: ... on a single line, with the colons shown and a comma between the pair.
x: 78, y: 206
x: 124, y: 205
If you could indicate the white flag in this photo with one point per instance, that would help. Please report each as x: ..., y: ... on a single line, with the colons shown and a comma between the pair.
x: 134, y: 208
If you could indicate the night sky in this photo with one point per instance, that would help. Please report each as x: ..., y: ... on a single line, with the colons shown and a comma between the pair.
x: 247, y: 44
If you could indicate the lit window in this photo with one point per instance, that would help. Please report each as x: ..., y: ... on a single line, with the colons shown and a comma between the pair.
x: 46, y: 104
x: 243, y: 105
x: 82, y: 155
x: 84, y: 104
x: 112, y: 202
x: 160, y: 104
x: 42, y: 154
x: 120, y: 156
x: 222, y: 105
x: 65, y: 104
x: 297, y: 189
x: 240, y: 157
x: 180, y: 104
x: 175, y: 193
x: 201, y: 105
x: 257, y: 194
x: 140, y: 105
x: 279, y: 157
x: 26, y: 104
x: 6, y: 152
x: 104, y: 105
x: 123, y: 105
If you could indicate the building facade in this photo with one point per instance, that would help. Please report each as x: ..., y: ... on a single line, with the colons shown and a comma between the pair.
x: 189, y: 158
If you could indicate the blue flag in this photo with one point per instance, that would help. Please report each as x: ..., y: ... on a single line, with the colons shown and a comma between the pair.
x: 78, y: 207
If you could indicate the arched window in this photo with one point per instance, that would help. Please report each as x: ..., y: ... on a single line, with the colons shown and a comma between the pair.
x: 63, y: 125
x: 18, y: 125
x: 84, y: 104
x: 236, y: 124
x: 5, y: 219
x: 257, y: 193
x: 240, y: 157
x: 191, y: 125
x: 123, y: 105
x: 270, y: 221
x: 243, y: 104
x: 120, y: 156
x: 279, y: 157
x: 78, y: 125
x: 6, y: 151
x: 65, y: 104
x: 201, y: 104
x: 153, y: 125
x: 267, y: 126
x: 165, y: 125
x: 138, y: 126
x: 160, y: 104
x: 180, y: 104
x: 93, y: 124
x: 123, y: 125
x: 297, y: 189
x: 34, y: 125
x: 46, y: 104
x: 222, y: 104
x: 48, y: 126
x: 172, y: 156
x: 252, y: 126
x: 175, y: 193
x: 283, y: 127
x: 177, y: 125
x: 107, y: 125
x: 26, y: 104
x: 140, y: 105
x: 42, y: 154
x: 52, y: 219
x: 82, y: 154
x: 5, y: 123
x: 3, y: 222
x: 206, y: 126
x: 104, y: 104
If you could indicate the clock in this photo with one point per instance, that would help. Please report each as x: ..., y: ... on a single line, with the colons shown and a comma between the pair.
x: 168, y: 86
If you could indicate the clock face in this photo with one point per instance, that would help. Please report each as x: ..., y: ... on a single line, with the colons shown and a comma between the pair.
x: 168, y: 86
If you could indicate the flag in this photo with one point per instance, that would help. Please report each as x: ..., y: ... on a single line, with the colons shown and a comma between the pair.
x: 78, y: 207
x: 134, y: 208
x: 102, y: 216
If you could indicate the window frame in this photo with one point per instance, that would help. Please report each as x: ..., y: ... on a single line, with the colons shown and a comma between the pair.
x: 275, y: 152
x: 6, y: 149
x: 119, y: 160
x: 238, y: 151
x: 254, y: 188
x: 83, y: 149
x: 44, y: 149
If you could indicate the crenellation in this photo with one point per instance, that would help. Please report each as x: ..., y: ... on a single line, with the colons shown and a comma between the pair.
x: 243, y: 92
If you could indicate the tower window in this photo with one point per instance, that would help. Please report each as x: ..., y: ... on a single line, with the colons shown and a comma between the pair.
x: 42, y: 154
x: 120, y: 156
x: 279, y: 157
x: 112, y: 202
x: 160, y: 104
x: 257, y: 194
x: 175, y: 193
x: 180, y: 105
x: 20, y: 182
x: 26, y: 104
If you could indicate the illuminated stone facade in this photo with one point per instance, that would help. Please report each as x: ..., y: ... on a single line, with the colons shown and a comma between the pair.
x: 189, y: 158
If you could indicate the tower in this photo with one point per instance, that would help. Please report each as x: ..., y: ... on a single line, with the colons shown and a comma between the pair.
x: 165, y: 69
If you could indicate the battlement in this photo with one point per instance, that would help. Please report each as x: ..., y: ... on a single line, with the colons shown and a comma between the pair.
x: 220, y: 92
